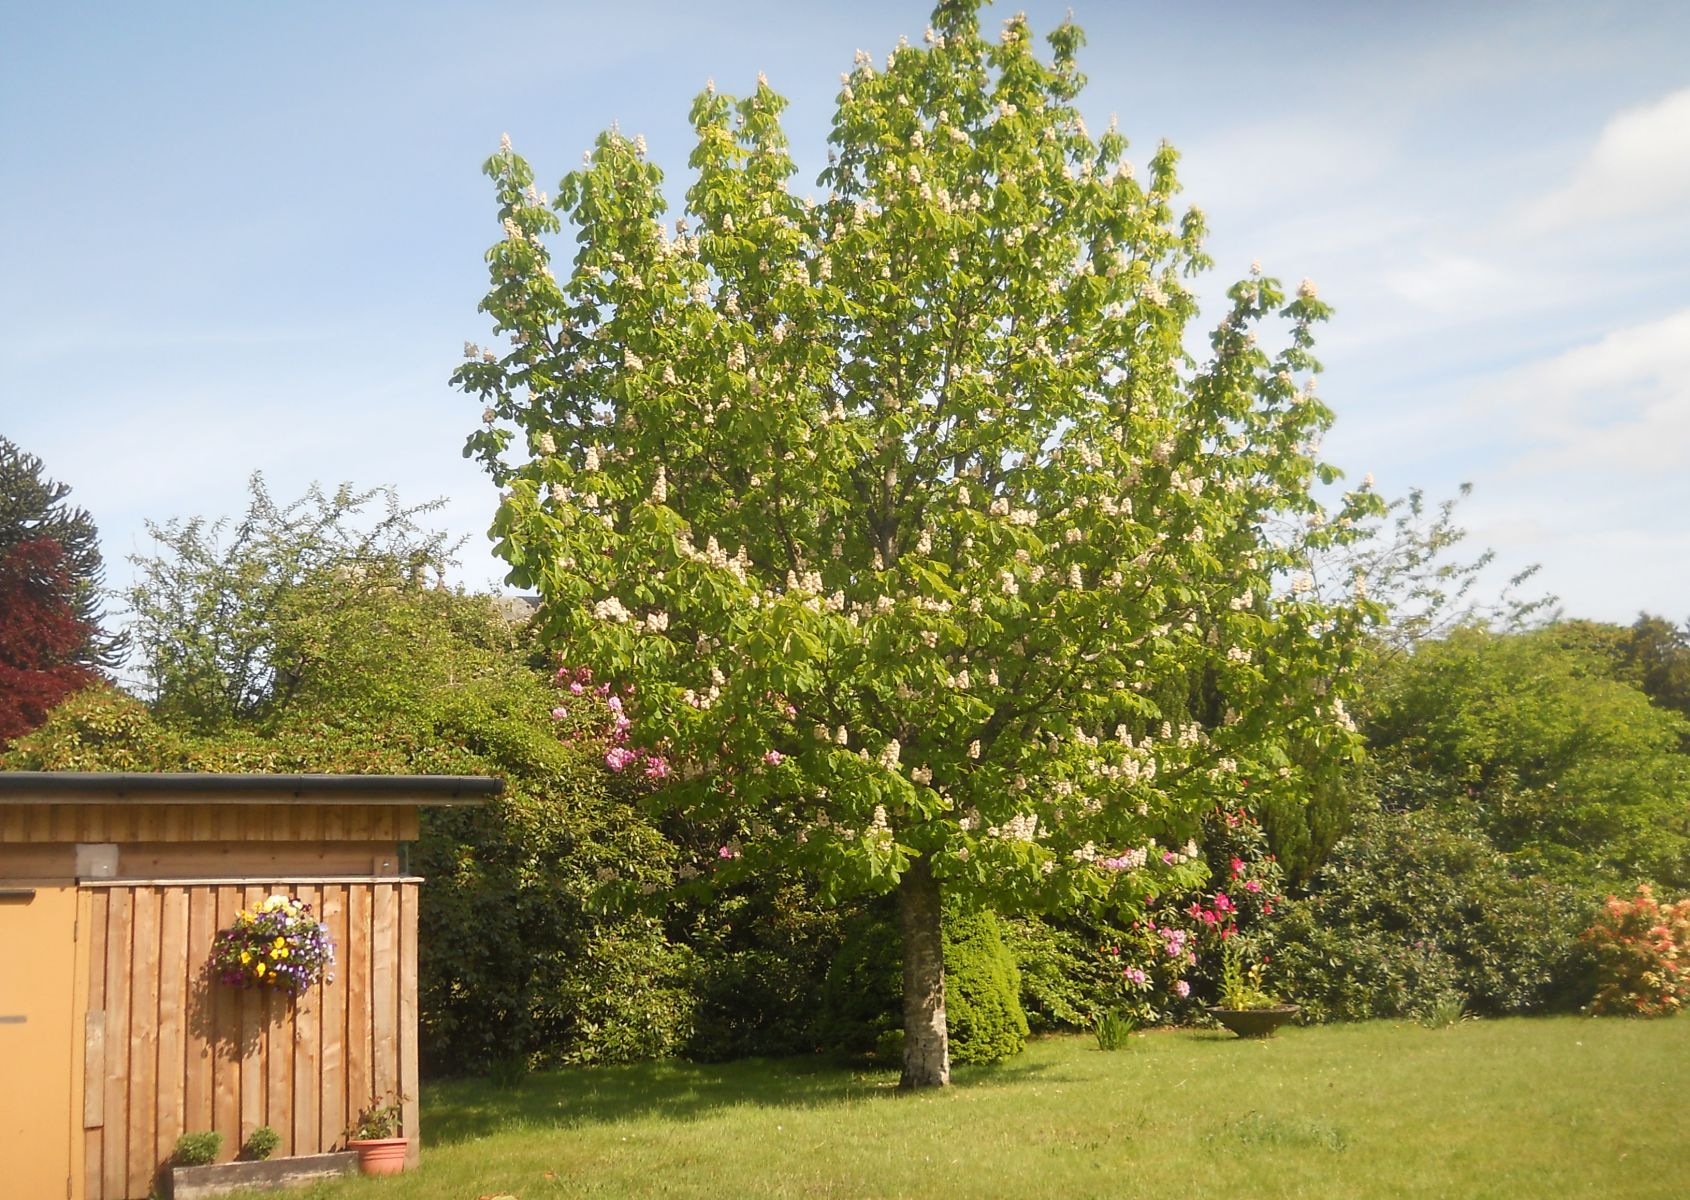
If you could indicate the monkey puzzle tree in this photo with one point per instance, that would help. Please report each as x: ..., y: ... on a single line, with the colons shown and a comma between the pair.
x: 903, y: 523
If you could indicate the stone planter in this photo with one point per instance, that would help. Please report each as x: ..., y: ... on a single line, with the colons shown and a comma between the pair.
x: 380, y: 1156
x: 1254, y: 1022
x: 219, y: 1179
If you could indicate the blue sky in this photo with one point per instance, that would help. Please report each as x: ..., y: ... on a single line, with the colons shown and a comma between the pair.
x: 239, y: 238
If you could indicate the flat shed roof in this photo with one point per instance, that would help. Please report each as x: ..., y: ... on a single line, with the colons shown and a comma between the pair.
x: 194, y: 787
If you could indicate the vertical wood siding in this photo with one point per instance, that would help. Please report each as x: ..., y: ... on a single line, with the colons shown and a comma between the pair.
x: 171, y: 1051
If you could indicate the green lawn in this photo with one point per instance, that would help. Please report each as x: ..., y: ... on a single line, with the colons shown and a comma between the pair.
x: 1560, y: 1108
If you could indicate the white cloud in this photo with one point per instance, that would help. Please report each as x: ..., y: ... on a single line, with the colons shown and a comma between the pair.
x: 1452, y: 283
x: 1621, y: 402
x: 1640, y: 164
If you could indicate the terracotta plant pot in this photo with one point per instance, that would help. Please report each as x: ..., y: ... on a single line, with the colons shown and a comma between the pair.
x: 1254, y: 1022
x: 380, y: 1156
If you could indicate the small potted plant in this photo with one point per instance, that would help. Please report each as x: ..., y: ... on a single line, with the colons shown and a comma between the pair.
x: 378, y: 1139
x: 1245, y: 1006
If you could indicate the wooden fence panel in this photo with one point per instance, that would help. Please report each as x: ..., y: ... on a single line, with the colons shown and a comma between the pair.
x: 172, y: 1051
x: 334, y: 1116
x: 143, y: 1041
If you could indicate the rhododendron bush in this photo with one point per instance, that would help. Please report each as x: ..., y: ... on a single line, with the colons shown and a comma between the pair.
x: 898, y: 520
x: 1642, y: 952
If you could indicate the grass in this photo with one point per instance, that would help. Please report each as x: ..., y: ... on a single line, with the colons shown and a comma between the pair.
x: 1562, y: 1107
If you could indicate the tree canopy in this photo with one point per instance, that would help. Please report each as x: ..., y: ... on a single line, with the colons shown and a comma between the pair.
x: 33, y: 508
x: 916, y: 546
x: 1559, y: 762
x: 292, y: 604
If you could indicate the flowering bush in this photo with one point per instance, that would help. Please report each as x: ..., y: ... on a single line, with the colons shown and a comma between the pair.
x: 1642, y: 956
x: 277, y: 944
x: 603, y: 717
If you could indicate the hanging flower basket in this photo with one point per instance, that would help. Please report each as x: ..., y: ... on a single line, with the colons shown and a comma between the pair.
x: 277, y: 945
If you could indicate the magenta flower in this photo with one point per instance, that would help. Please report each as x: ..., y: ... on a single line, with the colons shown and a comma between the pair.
x: 1252, y: 885
x: 618, y: 757
x: 656, y: 767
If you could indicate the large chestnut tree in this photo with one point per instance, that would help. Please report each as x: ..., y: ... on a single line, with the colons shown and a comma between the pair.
x: 918, y: 548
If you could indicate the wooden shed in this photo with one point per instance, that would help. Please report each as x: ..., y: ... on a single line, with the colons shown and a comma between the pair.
x: 115, y: 1039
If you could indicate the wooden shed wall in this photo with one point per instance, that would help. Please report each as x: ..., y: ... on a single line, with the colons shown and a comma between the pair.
x: 170, y: 1051
x: 283, y: 822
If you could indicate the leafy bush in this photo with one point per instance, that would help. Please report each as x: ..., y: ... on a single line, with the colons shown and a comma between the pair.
x: 1415, y: 907
x: 1642, y: 950
x: 763, y: 955
x: 863, y: 985
x: 197, y: 1149
x: 1065, y: 983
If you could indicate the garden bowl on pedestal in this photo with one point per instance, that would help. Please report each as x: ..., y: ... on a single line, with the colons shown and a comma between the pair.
x: 1254, y: 1022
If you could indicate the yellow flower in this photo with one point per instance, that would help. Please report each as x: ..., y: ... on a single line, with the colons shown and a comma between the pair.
x: 282, y: 953
x: 260, y: 968
x: 245, y: 957
x: 279, y: 943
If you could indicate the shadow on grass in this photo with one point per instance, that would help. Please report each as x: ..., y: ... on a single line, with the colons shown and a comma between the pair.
x: 461, y: 1110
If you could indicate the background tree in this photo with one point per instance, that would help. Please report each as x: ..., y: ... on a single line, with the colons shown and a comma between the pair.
x: 42, y: 637
x: 297, y: 603
x: 1570, y: 770
x: 890, y: 515
x: 1652, y: 654
x: 33, y: 508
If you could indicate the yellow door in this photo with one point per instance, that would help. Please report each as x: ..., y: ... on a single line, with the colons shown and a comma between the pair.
x: 37, y: 985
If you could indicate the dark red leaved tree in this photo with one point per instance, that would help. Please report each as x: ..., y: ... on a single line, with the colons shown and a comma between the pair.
x: 41, y: 635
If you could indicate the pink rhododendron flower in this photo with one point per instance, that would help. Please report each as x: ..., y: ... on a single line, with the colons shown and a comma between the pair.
x: 774, y: 758
x: 1182, y: 989
x: 1252, y: 885
x: 656, y: 767
x: 559, y: 713
x: 618, y: 757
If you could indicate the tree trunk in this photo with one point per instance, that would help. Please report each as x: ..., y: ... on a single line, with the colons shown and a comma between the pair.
x: 927, y: 1050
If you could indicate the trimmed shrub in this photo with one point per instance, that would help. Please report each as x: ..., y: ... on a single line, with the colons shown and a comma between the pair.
x: 982, y: 989
x: 197, y: 1149
x: 863, y: 989
x: 261, y: 1143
